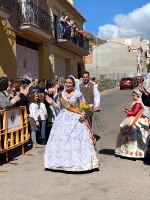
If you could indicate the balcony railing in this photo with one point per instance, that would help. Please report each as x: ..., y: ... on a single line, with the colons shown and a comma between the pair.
x: 7, y: 5
x: 71, y: 34
x: 29, y: 13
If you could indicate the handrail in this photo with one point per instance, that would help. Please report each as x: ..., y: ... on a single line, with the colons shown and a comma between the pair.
x: 71, y: 33
x: 29, y: 13
x: 7, y: 5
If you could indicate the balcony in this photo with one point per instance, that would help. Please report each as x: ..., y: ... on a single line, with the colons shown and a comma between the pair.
x: 34, y: 21
x: 72, y: 40
x: 5, y: 8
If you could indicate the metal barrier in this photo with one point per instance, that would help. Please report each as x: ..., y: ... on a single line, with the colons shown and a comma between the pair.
x: 13, y: 129
x: 29, y: 13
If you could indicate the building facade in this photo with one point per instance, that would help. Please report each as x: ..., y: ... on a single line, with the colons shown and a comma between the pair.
x: 29, y: 39
x: 136, y: 44
x: 119, y: 57
x: 66, y: 54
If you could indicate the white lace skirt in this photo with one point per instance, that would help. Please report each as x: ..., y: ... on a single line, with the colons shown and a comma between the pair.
x: 70, y: 146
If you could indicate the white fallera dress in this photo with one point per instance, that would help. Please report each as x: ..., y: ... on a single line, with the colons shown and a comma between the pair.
x: 70, y: 145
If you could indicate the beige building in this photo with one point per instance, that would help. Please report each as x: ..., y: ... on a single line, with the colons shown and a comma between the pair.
x: 66, y: 57
x: 142, y: 48
x: 118, y: 58
x: 114, y: 60
x: 30, y: 43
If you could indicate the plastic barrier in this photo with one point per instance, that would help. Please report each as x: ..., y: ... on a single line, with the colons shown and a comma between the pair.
x: 13, y: 129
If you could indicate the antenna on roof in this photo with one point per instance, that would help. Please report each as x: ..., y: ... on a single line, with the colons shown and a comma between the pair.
x: 118, y: 33
x: 84, y: 27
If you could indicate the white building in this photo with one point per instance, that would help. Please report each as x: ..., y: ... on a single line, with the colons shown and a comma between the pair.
x: 135, y: 41
x: 119, y: 57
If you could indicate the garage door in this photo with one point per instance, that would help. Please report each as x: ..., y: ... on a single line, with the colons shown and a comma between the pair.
x: 27, y: 62
x: 60, y: 66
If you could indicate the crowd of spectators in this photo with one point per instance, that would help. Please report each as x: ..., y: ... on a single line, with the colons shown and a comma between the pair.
x: 40, y: 98
x: 68, y: 30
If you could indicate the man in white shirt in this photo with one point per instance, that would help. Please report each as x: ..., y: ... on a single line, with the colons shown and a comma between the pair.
x: 90, y: 93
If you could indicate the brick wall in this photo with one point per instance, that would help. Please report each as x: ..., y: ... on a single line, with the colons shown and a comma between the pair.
x: 89, y: 59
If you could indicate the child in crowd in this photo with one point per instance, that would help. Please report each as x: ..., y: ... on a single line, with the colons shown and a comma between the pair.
x: 34, y: 116
x: 43, y: 116
x: 132, y: 141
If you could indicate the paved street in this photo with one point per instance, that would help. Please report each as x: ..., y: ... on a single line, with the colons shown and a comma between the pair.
x: 118, y: 179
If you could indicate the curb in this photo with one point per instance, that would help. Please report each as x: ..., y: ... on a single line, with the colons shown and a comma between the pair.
x: 109, y: 91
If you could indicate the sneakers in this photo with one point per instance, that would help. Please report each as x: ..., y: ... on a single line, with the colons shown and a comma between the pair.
x: 37, y: 146
x: 44, y: 142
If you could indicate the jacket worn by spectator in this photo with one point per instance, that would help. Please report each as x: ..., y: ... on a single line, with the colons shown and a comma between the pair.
x: 23, y: 102
x: 4, y: 101
x: 26, y: 81
x: 43, y: 111
x: 62, y: 21
x: 34, y: 111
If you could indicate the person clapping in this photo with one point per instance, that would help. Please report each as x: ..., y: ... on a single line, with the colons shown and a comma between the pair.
x: 4, y: 101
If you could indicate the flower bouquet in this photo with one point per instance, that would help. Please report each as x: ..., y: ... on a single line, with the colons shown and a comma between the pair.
x: 84, y: 107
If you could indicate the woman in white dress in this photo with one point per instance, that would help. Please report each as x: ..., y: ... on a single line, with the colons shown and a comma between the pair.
x: 70, y: 145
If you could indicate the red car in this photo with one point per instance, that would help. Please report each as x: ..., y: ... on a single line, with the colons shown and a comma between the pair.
x: 140, y: 79
x: 127, y: 82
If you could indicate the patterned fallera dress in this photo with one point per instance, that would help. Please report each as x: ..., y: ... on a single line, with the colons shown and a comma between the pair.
x: 132, y: 140
x: 70, y: 145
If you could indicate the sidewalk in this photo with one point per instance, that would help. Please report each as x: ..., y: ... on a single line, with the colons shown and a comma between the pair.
x: 109, y: 91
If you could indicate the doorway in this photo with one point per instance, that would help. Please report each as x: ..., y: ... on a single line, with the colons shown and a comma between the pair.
x: 79, y: 71
x: 55, y: 17
x: 27, y: 58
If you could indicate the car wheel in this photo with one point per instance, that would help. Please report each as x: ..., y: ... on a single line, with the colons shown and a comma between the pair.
x: 121, y: 88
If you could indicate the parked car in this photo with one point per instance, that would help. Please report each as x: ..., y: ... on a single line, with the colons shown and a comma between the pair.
x: 140, y: 79
x: 127, y: 82
x: 136, y: 82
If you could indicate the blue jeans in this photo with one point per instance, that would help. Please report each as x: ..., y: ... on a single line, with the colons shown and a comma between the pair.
x: 43, y: 125
x: 62, y: 31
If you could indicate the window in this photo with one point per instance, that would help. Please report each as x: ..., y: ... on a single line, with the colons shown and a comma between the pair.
x: 126, y: 79
x: 26, y: 43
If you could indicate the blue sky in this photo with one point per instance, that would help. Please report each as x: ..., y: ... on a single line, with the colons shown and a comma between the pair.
x: 103, y: 16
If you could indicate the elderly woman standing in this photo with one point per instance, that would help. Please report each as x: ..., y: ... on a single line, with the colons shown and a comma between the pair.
x: 4, y: 101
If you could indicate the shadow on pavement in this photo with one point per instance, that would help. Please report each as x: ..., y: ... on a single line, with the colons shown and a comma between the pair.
x: 71, y: 172
x: 146, y: 161
x: 14, y: 154
x: 110, y: 152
